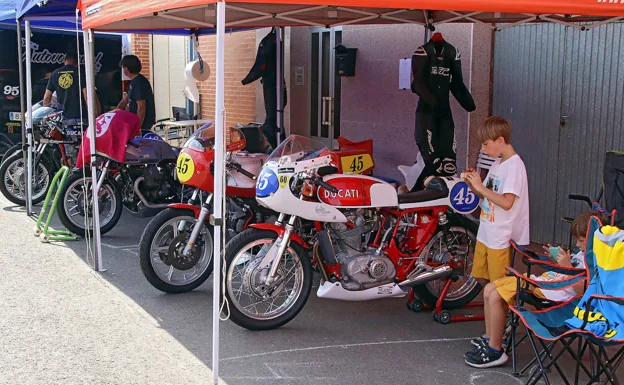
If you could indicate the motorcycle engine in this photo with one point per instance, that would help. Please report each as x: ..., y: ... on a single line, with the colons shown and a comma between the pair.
x: 361, y: 266
x: 155, y: 187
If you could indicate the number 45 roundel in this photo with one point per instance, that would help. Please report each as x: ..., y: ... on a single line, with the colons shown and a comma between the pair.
x: 463, y: 200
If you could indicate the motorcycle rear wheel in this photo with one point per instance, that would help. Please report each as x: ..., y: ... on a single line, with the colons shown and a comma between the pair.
x: 13, y: 168
x: 155, y: 249
x: 72, y: 199
x: 238, y: 254
x: 458, y: 296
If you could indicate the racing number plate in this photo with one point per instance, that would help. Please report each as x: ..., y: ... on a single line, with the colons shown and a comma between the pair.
x: 185, y: 167
x: 356, y: 164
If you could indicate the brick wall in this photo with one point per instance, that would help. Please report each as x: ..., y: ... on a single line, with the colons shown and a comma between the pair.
x: 141, y: 48
x: 240, y: 54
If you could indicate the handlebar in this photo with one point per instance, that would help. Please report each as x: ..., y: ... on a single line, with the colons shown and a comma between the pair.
x: 326, y: 186
x: 240, y: 169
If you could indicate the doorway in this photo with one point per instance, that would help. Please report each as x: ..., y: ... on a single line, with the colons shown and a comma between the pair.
x: 325, y: 86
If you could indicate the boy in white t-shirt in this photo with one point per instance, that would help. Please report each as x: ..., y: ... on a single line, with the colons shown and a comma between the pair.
x: 488, y: 350
x: 505, y: 204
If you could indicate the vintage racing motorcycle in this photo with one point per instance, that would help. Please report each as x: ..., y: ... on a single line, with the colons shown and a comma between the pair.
x: 54, y: 146
x: 368, y: 242
x: 176, y: 247
x: 144, y: 182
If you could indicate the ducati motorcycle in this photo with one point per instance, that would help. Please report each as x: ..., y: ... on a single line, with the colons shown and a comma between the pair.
x: 144, y: 184
x: 176, y: 248
x: 368, y: 242
x: 54, y: 146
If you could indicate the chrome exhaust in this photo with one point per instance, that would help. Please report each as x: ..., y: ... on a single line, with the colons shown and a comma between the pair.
x: 424, y: 277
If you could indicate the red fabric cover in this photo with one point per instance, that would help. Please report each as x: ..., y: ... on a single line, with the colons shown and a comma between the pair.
x: 113, y: 130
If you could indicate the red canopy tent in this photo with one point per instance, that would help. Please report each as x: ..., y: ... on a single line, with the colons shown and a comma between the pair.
x: 115, y: 15
x: 172, y: 14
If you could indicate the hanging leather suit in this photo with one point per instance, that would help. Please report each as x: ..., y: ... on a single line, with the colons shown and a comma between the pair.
x: 436, y: 70
x: 265, y: 68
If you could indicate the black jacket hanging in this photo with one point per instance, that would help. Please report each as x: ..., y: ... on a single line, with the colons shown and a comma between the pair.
x: 265, y: 68
x: 436, y: 69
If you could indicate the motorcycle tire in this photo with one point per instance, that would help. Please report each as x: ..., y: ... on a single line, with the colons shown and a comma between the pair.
x: 10, y: 151
x: 240, y: 242
x: 424, y: 292
x: 75, y: 176
x: 21, y: 201
x: 145, y: 253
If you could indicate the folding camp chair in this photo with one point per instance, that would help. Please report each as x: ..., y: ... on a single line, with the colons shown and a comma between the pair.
x: 525, y: 295
x: 575, y: 321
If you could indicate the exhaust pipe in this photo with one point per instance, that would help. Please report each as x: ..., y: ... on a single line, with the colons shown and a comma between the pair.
x: 142, y: 198
x: 422, y: 278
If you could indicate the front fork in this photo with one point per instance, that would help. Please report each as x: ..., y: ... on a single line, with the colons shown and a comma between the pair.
x: 280, y: 244
x: 199, y: 224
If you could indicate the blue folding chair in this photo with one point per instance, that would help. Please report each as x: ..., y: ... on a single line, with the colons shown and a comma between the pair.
x: 525, y: 294
x: 593, y: 328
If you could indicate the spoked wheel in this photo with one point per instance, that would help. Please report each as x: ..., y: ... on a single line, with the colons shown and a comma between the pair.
x: 13, y: 179
x: 76, y: 204
x: 253, y: 304
x: 161, y: 252
x: 458, y: 240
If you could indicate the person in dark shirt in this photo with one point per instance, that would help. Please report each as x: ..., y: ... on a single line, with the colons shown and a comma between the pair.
x: 64, y: 81
x: 140, y: 97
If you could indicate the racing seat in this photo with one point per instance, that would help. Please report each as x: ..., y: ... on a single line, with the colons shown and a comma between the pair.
x: 436, y: 189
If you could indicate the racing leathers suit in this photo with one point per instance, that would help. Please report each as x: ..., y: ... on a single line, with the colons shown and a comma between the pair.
x: 436, y: 71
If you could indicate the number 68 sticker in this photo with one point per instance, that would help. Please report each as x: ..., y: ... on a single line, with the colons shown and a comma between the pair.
x: 463, y: 200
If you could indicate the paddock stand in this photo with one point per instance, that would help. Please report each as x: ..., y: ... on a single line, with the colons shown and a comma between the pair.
x: 440, y: 315
x: 46, y: 235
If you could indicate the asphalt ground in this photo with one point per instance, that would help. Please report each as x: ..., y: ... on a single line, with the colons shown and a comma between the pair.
x: 62, y: 323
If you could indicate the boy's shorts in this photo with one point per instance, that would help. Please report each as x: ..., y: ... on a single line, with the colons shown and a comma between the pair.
x: 507, y: 287
x: 489, y: 263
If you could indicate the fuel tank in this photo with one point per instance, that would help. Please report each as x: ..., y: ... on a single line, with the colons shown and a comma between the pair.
x: 147, y: 151
x: 358, y: 191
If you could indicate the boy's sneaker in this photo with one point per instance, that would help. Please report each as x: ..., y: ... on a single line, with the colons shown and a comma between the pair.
x: 486, y: 358
x: 478, y: 345
x: 483, y: 341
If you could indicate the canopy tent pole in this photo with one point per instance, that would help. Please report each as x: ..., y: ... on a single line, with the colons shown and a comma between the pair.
x: 190, y: 106
x: 279, y: 82
x: 87, y: 37
x: 217, y: 220
x: 23, y: 109
x: 29, y: 131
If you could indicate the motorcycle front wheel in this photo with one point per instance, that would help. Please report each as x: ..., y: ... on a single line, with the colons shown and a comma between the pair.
x: 459, y: 238
x: 252, y: 304
x: 13, y: 179
x: 161, y: 252
x: 10, y: 151
x: 76, y: 204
